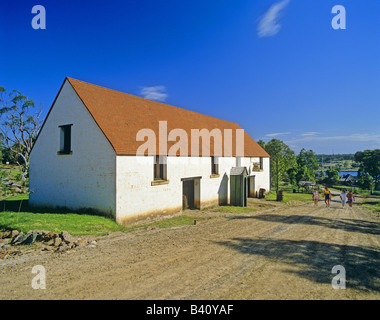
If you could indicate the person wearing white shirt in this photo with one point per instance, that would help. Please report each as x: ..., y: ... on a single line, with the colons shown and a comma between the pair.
x: 343, y: 198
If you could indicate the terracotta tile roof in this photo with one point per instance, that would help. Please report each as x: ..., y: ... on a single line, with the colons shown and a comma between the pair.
x: 120, y: 116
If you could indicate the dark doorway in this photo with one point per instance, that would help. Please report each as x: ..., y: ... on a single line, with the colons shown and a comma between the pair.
x: 245, y: 191
x: 191, y: 193
x: 188, y: 194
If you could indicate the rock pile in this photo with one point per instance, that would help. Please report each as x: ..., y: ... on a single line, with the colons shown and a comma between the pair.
x: 50, y: 241
x: 18, y: 188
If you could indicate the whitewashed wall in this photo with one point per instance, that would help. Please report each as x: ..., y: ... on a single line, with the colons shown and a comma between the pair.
x: 262, y: 178
x: 85, y: 179
x: 137, y: 196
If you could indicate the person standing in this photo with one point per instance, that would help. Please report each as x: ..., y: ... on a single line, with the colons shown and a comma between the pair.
x: 327, y: 193
x: 343, y: 198
x: 315, y: 197
x: 350, y: 199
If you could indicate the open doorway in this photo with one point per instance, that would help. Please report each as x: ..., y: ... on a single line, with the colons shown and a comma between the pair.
x: 251, y: 187
x: 191, y: 193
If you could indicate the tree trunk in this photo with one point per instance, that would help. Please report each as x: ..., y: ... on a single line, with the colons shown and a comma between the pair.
x: 277, y: 176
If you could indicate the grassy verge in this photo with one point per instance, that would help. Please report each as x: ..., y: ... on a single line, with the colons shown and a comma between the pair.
x: 289, y: 196
x: 174, y: 222
x: 231, y: 209
x: 366, y: 192
x: 75, y: 224
x: 16, y: 214
x: 372, y: 205
x: 357, y: 190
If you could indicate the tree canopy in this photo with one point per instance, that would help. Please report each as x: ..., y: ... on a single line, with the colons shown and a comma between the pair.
x: 19, y: 125
x: 369, y: 164
x: 282, y: 158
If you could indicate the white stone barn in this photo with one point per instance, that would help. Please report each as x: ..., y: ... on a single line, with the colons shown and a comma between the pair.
x: 86, y: 156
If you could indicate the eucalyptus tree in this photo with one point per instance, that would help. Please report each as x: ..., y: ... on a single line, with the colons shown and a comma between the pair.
x: 282, y: 158
x: 19, y: 126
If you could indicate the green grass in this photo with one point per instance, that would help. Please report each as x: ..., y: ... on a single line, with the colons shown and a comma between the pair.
x: 58, y: 220
x: 75, y: 224
x: 22, y: 196
x: 357, y: 190
x: 289, y: 196
x: 16, y: 214
x: 174, y: 222
x: 230, y: 209
x: 373, y: 206
x: 366, y: 192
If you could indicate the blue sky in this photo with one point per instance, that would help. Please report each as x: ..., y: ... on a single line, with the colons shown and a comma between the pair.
x: 277, y: 68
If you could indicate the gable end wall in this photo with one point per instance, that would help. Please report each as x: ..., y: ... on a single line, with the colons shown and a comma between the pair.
x: 84, y: 179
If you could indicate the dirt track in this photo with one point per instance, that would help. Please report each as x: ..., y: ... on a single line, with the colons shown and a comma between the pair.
x: 286, y: 252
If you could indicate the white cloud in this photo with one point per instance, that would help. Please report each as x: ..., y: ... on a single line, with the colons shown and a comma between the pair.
x: 307, y: 134
x: 357, y: 137
x: 154, y: 93
x: 268, y: 24
x: 271, y: 135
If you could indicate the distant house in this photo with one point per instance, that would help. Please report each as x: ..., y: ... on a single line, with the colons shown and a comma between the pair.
x: 307, y: 184
x: 349, y: 180
x: 87, y: 156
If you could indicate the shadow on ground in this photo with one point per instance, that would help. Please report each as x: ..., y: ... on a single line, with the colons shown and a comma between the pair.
x: 23, y: 206
x: 314, y: 260
x: 350, y: 225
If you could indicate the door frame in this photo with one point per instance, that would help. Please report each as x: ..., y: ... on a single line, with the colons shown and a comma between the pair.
x: 197, y: 190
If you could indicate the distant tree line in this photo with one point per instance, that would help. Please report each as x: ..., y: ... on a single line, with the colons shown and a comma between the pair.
x: 289, y: 168
x: 333, y: 157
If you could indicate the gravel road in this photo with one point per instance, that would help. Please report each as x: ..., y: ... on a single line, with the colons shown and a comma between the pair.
x: 285, y: 252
